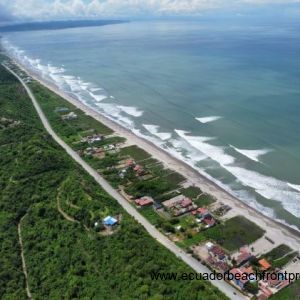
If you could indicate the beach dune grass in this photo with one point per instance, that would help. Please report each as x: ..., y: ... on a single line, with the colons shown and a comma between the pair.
x: 234, y: 233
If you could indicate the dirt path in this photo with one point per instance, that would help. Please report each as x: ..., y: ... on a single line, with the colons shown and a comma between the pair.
x: 23, y: 258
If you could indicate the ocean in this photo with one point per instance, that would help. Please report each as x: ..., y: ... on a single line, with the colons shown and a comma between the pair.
x: 223, y: 98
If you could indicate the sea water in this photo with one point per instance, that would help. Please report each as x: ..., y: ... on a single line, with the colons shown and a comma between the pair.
x: 223, y: 98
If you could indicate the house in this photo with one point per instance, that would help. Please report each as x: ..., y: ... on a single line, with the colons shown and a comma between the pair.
x: 209, y: 221
x: 92, y: 138
x: 138, y: 170
x: 144, y: 201
x: 110, y: 221
x: 264, y: 264
x: 69, y: 116
x: 243, y: 256
x: 217, y: 251
x: 179, y: 205
x: 202, y: 212
x: 241, y: 276
x: 186, y: 202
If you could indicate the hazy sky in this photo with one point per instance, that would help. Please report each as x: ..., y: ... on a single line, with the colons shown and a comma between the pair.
x: 67, y: 9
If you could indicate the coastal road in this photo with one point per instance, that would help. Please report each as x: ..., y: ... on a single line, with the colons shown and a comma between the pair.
x: 222, y: 285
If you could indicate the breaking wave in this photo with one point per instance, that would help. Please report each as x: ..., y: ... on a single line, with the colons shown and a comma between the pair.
x: 266, y: 186
x: 252, y: 154
x: 130, y: 110
x: 208, y: 119
x: 154, y: 130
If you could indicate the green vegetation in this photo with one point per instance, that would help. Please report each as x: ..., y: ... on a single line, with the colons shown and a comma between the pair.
x: 204, y: 200
x: 149, y: 213
x: 191, y: 192
x: 135, y: 152
x: 234, y: 233
x: 290, y: 292
x: 69, y: 130
x: 280, y: 256
x: 67, y: 259
x: 192, y: 240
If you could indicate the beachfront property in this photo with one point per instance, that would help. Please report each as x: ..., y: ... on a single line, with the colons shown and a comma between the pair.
x: 179, y: 205
x: 131, y: 165
x: 239, y: 276
x: 204, y: 216
x: 94, y: 152
x: 144, y: 201
x: 69, y: 116
x: 243, y: 256
x: 90, y: 139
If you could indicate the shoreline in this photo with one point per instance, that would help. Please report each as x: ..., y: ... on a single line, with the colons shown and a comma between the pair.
x: 275, y: 230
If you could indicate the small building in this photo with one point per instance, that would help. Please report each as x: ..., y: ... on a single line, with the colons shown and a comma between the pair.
x: 243, y: 256
x: 144, y: 201
x: 110, y: 221
x: 241, y: 276
x: 209, y: 221
x: 264, y: 264
x: 179, y: 205
x: 69, y: 116
x: 217, y: 251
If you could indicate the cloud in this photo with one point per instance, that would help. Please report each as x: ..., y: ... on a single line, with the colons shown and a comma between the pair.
x: 63, y: 9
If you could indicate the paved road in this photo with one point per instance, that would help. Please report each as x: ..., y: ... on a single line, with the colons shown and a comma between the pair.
x: 226, y: 288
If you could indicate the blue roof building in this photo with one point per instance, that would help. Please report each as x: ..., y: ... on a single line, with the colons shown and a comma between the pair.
x: 110, y: 221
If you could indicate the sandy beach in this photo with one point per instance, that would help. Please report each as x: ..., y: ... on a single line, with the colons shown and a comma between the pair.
x: 275, y: 231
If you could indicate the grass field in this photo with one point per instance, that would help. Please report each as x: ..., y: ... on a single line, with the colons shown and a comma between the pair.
x: 150, y: 214
x: 234, y: 233
x: 194, y: 240
x: 191, y: 192
x: 280, y: 256
x: 290, y: 292
x: 135, y: 152
x: 204, y: 200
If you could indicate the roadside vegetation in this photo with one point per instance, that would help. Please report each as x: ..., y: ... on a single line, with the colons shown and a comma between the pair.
x: 67, y: 258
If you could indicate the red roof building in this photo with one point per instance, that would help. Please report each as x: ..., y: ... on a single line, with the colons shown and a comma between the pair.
x: 264, y: 264
x: 202, y: 210
x: 186, y: 202
x: 144, y: 201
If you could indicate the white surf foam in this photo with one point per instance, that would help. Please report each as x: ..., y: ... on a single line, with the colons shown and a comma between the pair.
x: 204, y: 120
x: 294, y: 186
x: 214, y: 152
x: 98, y: 98
x: 269, y: 187
x: 266, y: 186
x: 131, y: 110
x: 154, y: 129
x: 252, y: 154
